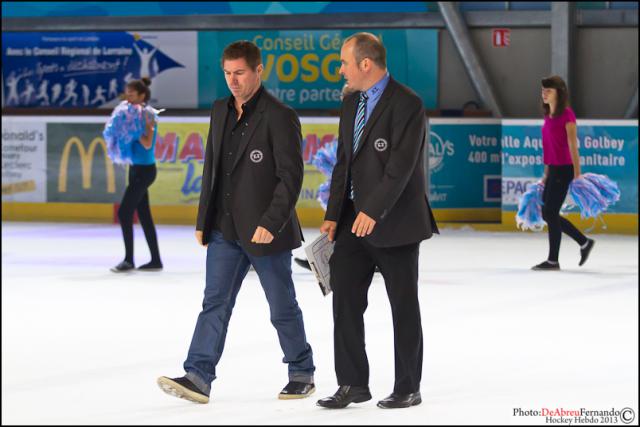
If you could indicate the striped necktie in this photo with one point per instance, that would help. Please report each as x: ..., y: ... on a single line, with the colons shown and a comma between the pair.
x: 360, y: 120
x: 359, y: 127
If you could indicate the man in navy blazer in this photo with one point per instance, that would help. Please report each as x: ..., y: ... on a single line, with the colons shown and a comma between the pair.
x: 377, y: 214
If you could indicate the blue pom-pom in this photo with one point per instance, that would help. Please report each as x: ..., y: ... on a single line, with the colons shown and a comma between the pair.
x: 325, y: 160
x: 591, y: 193
x: 529, y: 216
x: 126, y: 125
x: 587, y: 197
x: 323, y: 194
x: 608, y: 188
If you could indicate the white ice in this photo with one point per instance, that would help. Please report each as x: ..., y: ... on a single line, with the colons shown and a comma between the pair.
x: 82, y: 345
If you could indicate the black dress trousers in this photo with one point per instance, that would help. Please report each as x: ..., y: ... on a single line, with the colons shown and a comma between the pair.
x: 352, y: 267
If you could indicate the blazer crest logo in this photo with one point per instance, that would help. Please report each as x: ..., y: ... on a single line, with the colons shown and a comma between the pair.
x: 380, y: 144
x: 256, y: 156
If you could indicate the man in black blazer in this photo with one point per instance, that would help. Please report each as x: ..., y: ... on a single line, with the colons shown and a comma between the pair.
x: 378, y: 214
x: 251, y: 181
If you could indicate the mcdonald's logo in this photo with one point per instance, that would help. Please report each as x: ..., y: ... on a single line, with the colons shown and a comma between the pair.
x: 86, y: 162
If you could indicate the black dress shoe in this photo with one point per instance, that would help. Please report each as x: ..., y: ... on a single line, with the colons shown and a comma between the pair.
x: 296, y: 390
x: 122, y: 267
x: 584, y: 253
x: 302, y: 263
x: 346, y: 394
x: 396, y: 400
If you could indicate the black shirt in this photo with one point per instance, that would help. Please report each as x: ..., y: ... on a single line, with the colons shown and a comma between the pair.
x: 234, y: 132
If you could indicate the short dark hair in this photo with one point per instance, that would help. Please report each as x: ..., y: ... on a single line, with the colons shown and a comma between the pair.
x: 556, y: 82
x: 141, y: 86
x: 369, y: 46
x: 243, y: 49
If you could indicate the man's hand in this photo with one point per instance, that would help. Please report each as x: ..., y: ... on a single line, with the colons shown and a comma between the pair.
x: 199, y: 238
x: 329, y: 227
x: 262, y: 236
x: 363, y: 225
x: 576, y: 172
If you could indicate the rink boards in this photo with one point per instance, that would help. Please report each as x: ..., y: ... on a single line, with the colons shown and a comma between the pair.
x: 56, y: 169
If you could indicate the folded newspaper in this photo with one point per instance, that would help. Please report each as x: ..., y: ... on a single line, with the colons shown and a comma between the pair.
x: 318, y: 254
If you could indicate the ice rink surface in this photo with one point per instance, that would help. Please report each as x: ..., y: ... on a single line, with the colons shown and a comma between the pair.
x: 82, y: 345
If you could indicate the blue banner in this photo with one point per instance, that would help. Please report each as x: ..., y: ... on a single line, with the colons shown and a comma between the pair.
x: 301, y: 67
x: 464, y: 163
x: 606, y: 147
x: 91, y: 69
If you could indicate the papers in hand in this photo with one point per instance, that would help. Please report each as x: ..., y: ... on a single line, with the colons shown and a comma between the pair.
x: 318, y: 254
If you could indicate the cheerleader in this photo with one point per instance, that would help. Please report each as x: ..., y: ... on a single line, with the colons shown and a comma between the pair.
x: 140, y: 155
x: 561, y: 166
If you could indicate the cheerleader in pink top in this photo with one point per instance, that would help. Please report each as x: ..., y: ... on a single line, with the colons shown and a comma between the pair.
x: 561, y: 166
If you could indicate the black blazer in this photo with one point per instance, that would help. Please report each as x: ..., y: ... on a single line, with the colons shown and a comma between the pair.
x: 266, y: 177
x: 387, y: 170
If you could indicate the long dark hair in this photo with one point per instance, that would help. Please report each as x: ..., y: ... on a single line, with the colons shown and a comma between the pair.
x: 141, y: 86
x: 556, y: 82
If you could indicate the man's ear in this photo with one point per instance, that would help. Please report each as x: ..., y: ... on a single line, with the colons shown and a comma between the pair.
x: 365, y: 65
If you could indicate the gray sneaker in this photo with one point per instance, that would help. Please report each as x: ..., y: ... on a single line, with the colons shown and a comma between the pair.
x: 297, y: 390
x: 182, y: 388
x: 123, y: 267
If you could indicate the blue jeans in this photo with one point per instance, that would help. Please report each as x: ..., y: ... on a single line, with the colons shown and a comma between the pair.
x: 227, y: 266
